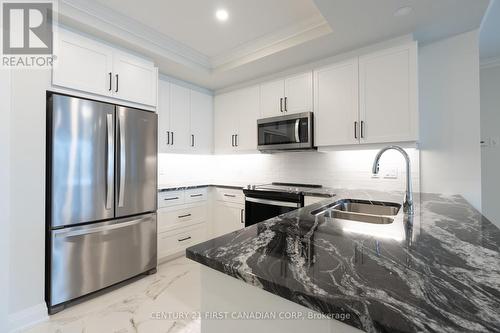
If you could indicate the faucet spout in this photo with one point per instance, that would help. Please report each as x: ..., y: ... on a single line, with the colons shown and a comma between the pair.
x: 408, y: 203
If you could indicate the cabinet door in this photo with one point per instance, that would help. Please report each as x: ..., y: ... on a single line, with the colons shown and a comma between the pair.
x: 298, y: 93
x: 82, y: 64
x: 228, y: 217
x: 225, y: 122
x: 135, y: 79
x: 179, y: 117
x: 388, y: 95
x: 201, y: 122
x: 271, y: 98
x: 336, y: 104
x: 163, y: 116
x: 248, y: 112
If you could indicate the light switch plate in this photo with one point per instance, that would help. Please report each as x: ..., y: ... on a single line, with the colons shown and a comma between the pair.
x: 391, y: 173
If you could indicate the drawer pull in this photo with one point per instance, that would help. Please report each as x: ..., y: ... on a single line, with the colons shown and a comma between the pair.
x: 168, y: 199
x: 181, y: 216
x: 196, y: 195
x: 184, y: 239
x: 229, y: 195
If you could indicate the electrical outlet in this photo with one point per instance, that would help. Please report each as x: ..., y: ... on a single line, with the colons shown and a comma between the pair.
x: 391, y: 173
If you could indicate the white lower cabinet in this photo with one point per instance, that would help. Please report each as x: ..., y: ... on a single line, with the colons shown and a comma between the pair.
x: 228, y: 217
x: 183, y: 220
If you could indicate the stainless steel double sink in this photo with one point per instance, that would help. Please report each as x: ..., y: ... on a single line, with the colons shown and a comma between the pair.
x: 375, y: 212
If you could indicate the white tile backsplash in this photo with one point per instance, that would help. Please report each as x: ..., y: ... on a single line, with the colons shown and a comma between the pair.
x: 346, y: 169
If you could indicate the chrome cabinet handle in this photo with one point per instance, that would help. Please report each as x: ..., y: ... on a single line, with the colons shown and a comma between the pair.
x: 236, y: 140
x: 281, y: 104
x: 172, y: 138
x: 116, y: 83
x: 168, y: 137
x: 242, y: 212
x: 229, y: 195
x: 286, y: 107
x: 297, y: 136
x: 121, y: 190
x: 184, y: 239
x: 362, y: 129
x: 232, y: 140
x: 168, y: 199
x: 355, y: 129
x: 192, y: 140
x: 109, y: 160
x: 196, y: 195
x: 110, y: 81
x: 182, y: 216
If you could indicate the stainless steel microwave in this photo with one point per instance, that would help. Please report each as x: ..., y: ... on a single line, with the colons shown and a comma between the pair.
x: 290, y: 132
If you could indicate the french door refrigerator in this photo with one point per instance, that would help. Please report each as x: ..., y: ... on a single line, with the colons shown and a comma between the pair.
x: 101, y: 196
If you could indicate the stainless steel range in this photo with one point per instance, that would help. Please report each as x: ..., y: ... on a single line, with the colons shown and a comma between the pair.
x: 263, y: 202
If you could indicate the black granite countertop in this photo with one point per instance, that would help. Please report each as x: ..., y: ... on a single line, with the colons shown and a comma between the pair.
x: 440, y: 273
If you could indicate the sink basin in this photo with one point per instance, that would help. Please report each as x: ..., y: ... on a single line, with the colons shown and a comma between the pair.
x: 375, y: 212
x: 374, y: 219
x: 367, y: 207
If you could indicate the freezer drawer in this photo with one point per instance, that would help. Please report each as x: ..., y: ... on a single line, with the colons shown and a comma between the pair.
x: 89, y: 258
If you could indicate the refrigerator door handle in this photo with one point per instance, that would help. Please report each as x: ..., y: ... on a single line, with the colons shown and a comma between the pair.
x: 92, y: 230
x: 121, y: 183
x: 109, y: 161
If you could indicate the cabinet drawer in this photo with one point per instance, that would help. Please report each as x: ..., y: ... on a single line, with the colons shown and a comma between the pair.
x: 178, y: 240
x: 230, y: 195
x: 170, y: 198
x: 196, y: 194
x: 168, y: 218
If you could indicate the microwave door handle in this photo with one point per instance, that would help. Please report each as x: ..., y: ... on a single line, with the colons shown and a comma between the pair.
x: 297, y: 136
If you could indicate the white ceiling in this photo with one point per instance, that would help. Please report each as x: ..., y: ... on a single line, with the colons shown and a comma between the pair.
x: 489, y: 39
x: 261, y: 36
x: 193, y: 23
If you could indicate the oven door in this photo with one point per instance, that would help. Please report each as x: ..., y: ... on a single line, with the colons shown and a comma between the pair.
x: 285, y: 132
x: 260, y: 209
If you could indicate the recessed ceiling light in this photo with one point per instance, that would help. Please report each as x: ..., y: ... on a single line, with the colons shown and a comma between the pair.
x: 403, y: 11
x: 221, y: 15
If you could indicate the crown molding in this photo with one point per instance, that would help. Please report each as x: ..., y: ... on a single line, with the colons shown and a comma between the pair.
x: 104, y: 21
x: 290, y: 36
x: 490, y: 62
x: 102, y: 18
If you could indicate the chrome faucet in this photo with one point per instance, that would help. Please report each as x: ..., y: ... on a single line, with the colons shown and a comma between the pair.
x: 408, y: 203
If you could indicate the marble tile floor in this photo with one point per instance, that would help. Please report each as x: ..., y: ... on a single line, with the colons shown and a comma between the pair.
x: 135, y: 307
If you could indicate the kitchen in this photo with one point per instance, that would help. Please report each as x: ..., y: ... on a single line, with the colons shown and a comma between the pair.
x: 248, y: 122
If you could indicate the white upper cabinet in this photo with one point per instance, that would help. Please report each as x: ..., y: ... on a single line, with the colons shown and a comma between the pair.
x: 180, y: 137
x: 293, y: 94
x: 298, y: 93
x: 201, y: 122
x: 271, y: 98
x: 336, y: 104
x: 135, y: 79
x: 388, y: 95
x: 236, y: 115
x: 226, y: 122
x: 164, y: 116
x: 82, y: 64
x: 248, y: 113
x: 93, y: 67
x: 185, y: 119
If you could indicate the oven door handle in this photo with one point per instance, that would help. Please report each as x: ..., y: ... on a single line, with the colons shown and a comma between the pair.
x: 274, y: 202
x: 297, y: 136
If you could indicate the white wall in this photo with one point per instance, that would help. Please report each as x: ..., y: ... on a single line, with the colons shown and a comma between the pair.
x: 4, y: 196
x: 490, y: 131
x: 340, y: 169
x: 450, y: 158
x: 27, y: 196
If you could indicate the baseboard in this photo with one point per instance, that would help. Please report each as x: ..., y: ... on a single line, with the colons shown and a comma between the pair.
x: 27, y: 317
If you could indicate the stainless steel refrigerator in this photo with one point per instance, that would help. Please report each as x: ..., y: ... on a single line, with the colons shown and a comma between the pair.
x: 101, y: 183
